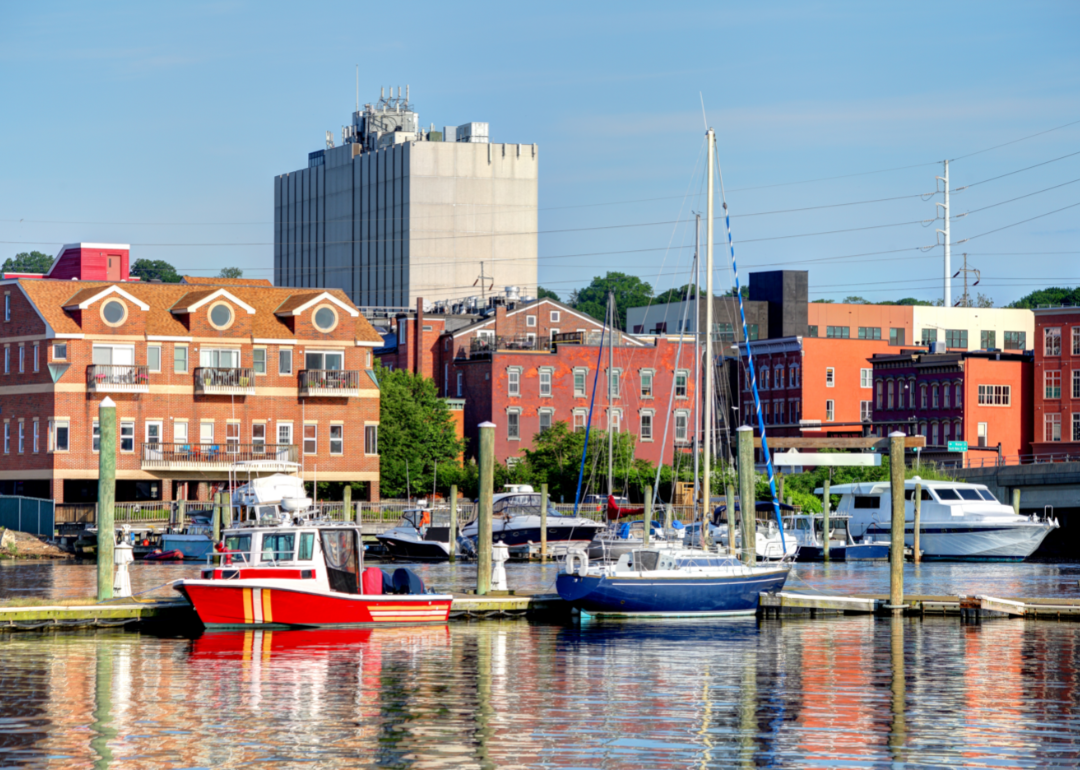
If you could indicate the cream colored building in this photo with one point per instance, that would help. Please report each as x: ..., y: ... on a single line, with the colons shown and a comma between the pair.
x: 974, y: 328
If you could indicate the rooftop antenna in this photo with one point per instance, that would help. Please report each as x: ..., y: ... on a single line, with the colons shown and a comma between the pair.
x: 382, y: 92
x: 406, y: 94
x: 358, y: 88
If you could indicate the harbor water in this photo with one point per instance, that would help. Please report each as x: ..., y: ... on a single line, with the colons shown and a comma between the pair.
x: 839, y: 692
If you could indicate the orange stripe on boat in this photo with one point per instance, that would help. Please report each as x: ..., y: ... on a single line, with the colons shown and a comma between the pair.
x: 248, y: 608
x: 266, y: 614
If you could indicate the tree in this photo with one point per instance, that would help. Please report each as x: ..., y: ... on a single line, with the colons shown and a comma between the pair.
x: 681, y: 294
x: 555, y: 459
x: 542, y: 293
x: 856, y: 301
x: 630, y: 291
x: 1053, y: 296
x: 824, y: 301
x: 913, y: 301
x: 416, y: 431
x: 28, y: 262
x: 231, y: 272
x: 149, y: 269
x: 744, y: 291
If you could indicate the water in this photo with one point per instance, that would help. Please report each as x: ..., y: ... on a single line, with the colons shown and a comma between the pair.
x: 835, y: 693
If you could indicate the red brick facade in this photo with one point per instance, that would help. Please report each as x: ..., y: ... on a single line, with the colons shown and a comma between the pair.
x: 1057, y: 382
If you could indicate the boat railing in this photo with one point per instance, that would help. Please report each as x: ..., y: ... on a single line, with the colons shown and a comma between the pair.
x: 228, y: 559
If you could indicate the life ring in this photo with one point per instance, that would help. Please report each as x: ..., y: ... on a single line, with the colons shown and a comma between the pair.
x: 577, y: 563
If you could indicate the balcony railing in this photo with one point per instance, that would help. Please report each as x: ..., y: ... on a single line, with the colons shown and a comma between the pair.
x: 218, y: 456
x: 337, y: 383
x: 480, y: 347
x: 214, y: 381
x: 114, y: 378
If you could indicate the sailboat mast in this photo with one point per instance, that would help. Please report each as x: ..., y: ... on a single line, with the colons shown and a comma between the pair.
x: 697, y: 354
x: 610, y: 412
x: 706, y: 458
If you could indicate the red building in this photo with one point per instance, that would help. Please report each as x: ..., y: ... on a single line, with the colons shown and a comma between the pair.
x: 1057, y: 381
x: 203, y: 373
x: 87, y: 262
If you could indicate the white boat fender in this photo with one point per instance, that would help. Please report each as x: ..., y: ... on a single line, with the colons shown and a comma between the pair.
x: 577, y: 563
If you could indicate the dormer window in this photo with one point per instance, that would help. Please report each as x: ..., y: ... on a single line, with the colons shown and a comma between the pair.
x: 113, y: 312
x: 221, y: 316
x: 325, y: 319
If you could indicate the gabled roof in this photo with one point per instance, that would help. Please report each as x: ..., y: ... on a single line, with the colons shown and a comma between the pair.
x: 86, y: 297
x: 194, y: 300
x: 196, y: 280
x: 490, y: 319
x: 298, y: 303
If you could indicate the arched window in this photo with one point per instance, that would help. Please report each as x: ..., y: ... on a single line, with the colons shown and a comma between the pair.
x: 922, y: 397
x: 779, y: 375
x: 934, y: 397
x: 889, y: 395
x: 957, y: 401
x: 878, y: 402
x: 911, y: 393
x: 765, y: 378
x: 934, y: 433
x: 945, y: 397
x: 958, y: 432
x: 922, y: 429
x: 946, y: 431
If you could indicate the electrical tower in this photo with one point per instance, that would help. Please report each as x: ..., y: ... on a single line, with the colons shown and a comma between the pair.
x: 948, y: 245
x: 965, y: 300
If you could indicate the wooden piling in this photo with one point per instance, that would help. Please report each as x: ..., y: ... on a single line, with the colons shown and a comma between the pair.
x: 1016, y: 501
x: 346, y: 501
x: 916, y: 547
x: 669, y: 516
x: 825, y: 505
x: 896, y: 555
x: 543, y: 521
x: 483, y: 516
x: 729, y: 503
x: 181, y: 514
x: 217, y: 518
x: 747, y: 496
x: 648, y: 516
x: 453, y: 523
x: 106, y: 527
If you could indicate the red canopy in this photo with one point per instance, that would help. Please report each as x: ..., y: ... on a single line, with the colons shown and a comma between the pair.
x: 615, y: 512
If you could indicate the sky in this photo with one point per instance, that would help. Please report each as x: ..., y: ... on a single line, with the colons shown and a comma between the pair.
x: 163, y: 126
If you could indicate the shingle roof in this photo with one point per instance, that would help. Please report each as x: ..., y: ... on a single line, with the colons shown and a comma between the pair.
x: 50, y: 297
x: 296, y: 300
x: 197, y: 280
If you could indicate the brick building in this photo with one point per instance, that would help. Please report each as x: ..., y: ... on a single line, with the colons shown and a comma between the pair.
x: 203, y: 373
x: 983, y: 398
x: 1057, y: 381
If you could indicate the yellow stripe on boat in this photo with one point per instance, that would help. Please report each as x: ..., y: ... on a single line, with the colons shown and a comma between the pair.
x: 267, y: 615
x: 248, y: 609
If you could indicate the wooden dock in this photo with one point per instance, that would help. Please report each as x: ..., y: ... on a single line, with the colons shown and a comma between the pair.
x: 794, y: 604
x: 118, y: 612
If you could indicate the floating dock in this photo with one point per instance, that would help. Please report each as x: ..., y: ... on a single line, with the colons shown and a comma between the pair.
x: 794, y: 604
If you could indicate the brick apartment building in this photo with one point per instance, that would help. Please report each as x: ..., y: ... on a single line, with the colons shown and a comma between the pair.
x: 1057, y: 381
x: 983, y: 398
x: 528, y: 365
x: 203, y: 373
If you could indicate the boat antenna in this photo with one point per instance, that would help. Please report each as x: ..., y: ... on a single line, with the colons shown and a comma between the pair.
x: 588, y: 420
x: 408, y: 487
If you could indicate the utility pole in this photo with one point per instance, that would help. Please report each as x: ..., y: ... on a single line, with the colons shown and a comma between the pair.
x: 965, y: 301
x: 482, y: 280
x: 945, y: 232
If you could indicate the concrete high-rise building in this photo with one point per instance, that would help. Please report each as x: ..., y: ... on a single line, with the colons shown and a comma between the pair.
x: 398, y: 211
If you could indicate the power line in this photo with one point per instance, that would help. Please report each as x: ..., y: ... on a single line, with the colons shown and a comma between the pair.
x: 1014, y: 224
x: 1019, y: 197
x: 1027, y: 168
x: 1014, y: 141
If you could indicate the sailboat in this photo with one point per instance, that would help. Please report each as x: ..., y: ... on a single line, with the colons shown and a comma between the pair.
x: 663, y: 582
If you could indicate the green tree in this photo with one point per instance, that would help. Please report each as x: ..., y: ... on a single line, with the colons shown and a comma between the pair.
x: 676, y: 295
x: 1053, y: 296
x: 913, y: 301
x: 542, y: 293
x: 149, y: 269
x: 630, y: 291
x: 853, y: 300
x: 416, y: 431
x: 555, y: 459
x: 744, y: 291
x: 231, y: 272
x: 28, y: 262
x: 824, y: 301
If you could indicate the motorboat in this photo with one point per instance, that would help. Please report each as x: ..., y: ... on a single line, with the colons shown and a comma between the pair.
x: 808, y: 530
x: 769, y: 545
x: 958, y: 521
x: 194, y: 542
x: 416, y: 538
x: 279, y: 568
x: 662, y: 582
x: 515, y: 521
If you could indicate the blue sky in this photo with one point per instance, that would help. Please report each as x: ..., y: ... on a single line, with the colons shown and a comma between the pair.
x: 163, y: 125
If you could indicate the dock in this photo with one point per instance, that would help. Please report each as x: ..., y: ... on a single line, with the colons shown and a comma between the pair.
x: 807, y: 604
x: 173, y: 613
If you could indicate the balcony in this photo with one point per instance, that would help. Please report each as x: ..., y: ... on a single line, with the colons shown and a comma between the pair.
x: 218, y: 457
x: 113, y: 378
x: 332, y: 383
x: 483, y: 347
x: 214, y: 381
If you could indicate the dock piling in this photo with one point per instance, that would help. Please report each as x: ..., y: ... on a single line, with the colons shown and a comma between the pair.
x: 729, y: 502
x: 896, y: 552
x: 453, y: 523
x: 1016, y: 501
x: 916, y: 548
x: 217, y: 518
x: 825, y: 504
x: 106, y: 528
x: 543, y: 521
x: 483, y: 516
x: 648, y: 516
x: 346, y: 502
x: 747, y: 495
x: 181, y: 514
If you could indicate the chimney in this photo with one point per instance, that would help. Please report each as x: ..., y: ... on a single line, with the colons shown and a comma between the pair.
x: 418, y: 336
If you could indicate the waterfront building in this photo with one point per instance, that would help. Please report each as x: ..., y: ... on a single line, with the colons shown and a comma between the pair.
x: 983, y: 398
x: 203, y: 373
x: 1057, y: 381
x: 399, y: 211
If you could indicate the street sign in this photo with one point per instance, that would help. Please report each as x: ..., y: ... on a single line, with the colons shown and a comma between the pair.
x: 958, y: 446
x: 835, y: 459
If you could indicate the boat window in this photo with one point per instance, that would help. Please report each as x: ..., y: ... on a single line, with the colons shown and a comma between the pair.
x: 342, y: 559
x: 946, y: 494
x: 801, y: 524
x: 646, y: 561
x: 240, y: 543
x: 278, y: 546
x: 867, y: 501
x: 517, y: 504
x: 969, y: 494
x: 987, y: 496
x: 909, y: 494
x: 307, y: 546
x: 266, y: 511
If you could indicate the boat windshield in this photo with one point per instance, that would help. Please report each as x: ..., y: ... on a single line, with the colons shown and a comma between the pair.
x: 278, y: 546
x: 238, y: 543
x: 986, y: 495
x: 944, y: 493
x: 969, y: 494
x: 518, y: 505
x: 307, y: 546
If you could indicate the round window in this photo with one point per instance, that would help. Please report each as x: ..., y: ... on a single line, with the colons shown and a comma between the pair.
x: 221, y: 316
x: 325, y: 319
x: 114, y: 312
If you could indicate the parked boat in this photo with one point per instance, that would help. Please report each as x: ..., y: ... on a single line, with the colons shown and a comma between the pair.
x: 159, y: 555
x: 516, y: 522
x: 808, y: 530
x: 613, y: 542
x: 416, y: 538
x: 193, y: 542
x: 769, y: 545
x: 958, y: 522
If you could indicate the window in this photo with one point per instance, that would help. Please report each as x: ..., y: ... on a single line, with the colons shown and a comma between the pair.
x: 556, y: 316
x: 987, y: 340
x: 113, y: 312
x: 530, y: 320
x: 22, y: 436
x: 945, y: 396
x: 180, y: 432
x: 995, y: 395
x: 7, y: 438
x: 929, y: 336
x: 22, y: 359
x: 723, y: 333
x: 37, y: 443
x: 681, y: 378
x: 127, y: 436
x: 983, y: 438
x: 811, y: 331
x: 258, y: 438
x: 337, y: 439
x: 646, y: 383
x: 615, y: 421
x: 311, y: 439
x: 206, y: 432
x: 646, y: 426
x: 1053, y: 427
x: 764, y: 379
x: 460, y: 384
x: 794, y: 377
x: 956, y: 338
x: 7, y: 360
x: 1015, y: 340
x: 579, y: 382
x: 934, y: 433
x: 284, y: 433
x: 922, y: 396
x: 513, y: 426
x: 934, y: 396
x: 545, y: 382
x: 682, y: 424
x: 59, y: 351
x: 371, y: 439
x: 327, y: 361
x: 869, y: 332
x: 325, y: 319
x: 37, y: 357
x: 897, y: 337
x: 1076, y: 426
x: 1052, y: 384
x: 766, y: 412
x: 923, y: 429
x: 889, y: 400
x: 878, y: 394
x: 180, y: 359
x: 945, y: 431
x: 865, y: 411
x: 613, y: 382
x: 232, y: 437
x: 513, y: 382
x: 284, y: 361
x: 1076, y: 383
x: 778, y: 412
x: 866, y: 378
x: 1052, y: 341
x: 778, y: 377
x: 153, y: 434
x: 221, y: 316
x: 307, y: 546
x: 838, y: 332
x: 830, y: 377
x: 258, y: 360
x: 1076, y: 340
x: 153, y: 358
x: 830, y: 410
x: 579, y: 421
x: 545, y: 420
x: 7, y: 307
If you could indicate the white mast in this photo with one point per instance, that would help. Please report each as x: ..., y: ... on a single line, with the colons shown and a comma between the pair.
x: 706, y: 459
x: 697, y: 355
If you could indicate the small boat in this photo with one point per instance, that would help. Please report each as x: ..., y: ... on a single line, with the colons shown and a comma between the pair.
x: 624, y: 536
x: 194, y: 541
x: 159, y: 555
x: 415, y: 538
x: 769, y: 545
x: 516, y: 522
x: 661, y: 582
x: 807, y: 529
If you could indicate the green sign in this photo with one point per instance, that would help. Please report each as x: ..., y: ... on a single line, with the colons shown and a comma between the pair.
x: 957, y: 446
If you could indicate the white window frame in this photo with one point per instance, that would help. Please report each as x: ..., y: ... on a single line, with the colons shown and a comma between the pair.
x: 547, y: 412
x: 149, y: 359
x: 95, y: 437
x: 682, y: 416
x: 513, y: 382
x: 283, y: 428
x: 513, y: 424
x: 180, y: 433
x: 584, y: 415
x: 614, y: 375
x: 866, y: 378
x: 59, y: 351
x: 255, y: 353
x: 285, y: 355
x: 685, y: 375
x: 232, y: 436
x: 1051, y: 425
x: 37, y: 357
x: 37, y: 438
x: 22, y: 359
x: 7, y: 307
x: 546, y: 373
x: 22, y: 437
x: 460, y: 383
x: 866, y: 411
x: 129, y: 427
x: 371, y: 438
x: 830, y: 410
x: 339, y: 440
x: 206, y: 437
x: 186, y: 358
x: 584, y: 372
x: 314, y: 427
x: 650, y: 376
x: 614, y: 417
x: 830, y: 376
x: 1052, y: 341
x: 7, y: 438
x: 258, y: 443
x: 530, y: 321
x: 555, y: 316
x: 650, y: 415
